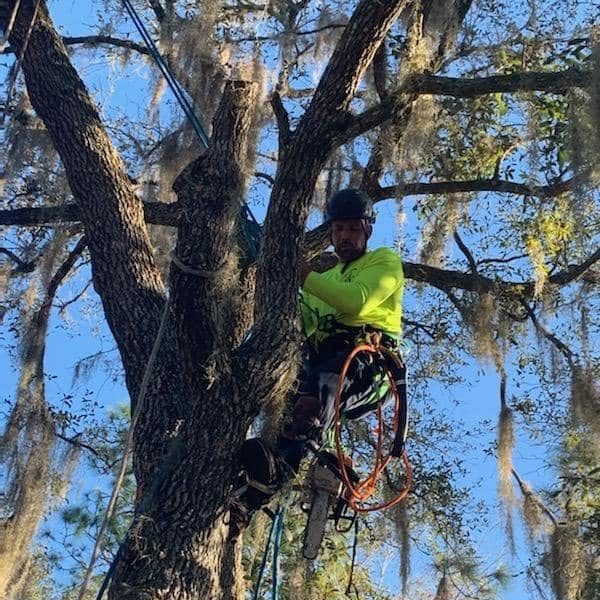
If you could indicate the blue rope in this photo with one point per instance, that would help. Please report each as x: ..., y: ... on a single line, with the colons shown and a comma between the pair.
x: 263, y: 563
x: 275, y: 536
x: 250, y: 226
x: 276, y: 547
x: 168, y: 74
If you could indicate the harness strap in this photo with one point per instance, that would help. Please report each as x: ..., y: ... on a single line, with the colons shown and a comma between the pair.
x: 402, y: 429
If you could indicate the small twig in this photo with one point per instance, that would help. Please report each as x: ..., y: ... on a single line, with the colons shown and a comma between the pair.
x: 265, y: 176
x: 559, y: 344
x: 527, y: 491
x: 63, y: 305
x: 465, y: 251
x: 484, y: 261
x: 76, y: 442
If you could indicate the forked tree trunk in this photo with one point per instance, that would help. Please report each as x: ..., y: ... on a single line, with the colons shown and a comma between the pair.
x: 209, y: 384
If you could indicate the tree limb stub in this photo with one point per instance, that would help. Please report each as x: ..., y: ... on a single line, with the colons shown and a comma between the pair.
x: 210, y: 192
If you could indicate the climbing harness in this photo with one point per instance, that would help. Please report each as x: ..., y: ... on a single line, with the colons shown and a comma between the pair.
x: 337, y: 493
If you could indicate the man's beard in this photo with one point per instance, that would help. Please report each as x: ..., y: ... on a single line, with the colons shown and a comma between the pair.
x: 349, y: 253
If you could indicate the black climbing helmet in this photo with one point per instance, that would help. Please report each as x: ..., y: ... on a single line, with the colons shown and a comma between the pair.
x: 349, y: 204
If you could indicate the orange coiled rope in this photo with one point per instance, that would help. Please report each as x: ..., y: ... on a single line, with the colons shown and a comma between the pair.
x: 357, y: 494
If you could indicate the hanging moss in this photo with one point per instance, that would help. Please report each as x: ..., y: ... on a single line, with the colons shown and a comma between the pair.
x: 585, y: 402
x: 506, y: 443
x: 439, y: 228
x: 567, y: 562
x: 532, y: 513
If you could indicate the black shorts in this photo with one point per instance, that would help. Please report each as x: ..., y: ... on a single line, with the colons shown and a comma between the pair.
x: 364, y: 388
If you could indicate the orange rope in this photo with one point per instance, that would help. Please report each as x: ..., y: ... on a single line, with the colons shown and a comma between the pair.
x: 363, y: 490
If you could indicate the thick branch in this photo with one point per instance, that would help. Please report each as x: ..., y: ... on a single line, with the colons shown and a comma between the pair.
x: 556, y: 82
x: 158, y: 213
x: 124, y: 272
x: 95, y: 40
x: 500, y: 186
x: 155, y: 213
x: 358, y: 44
x: 574, y: 271
x: 125, y: 275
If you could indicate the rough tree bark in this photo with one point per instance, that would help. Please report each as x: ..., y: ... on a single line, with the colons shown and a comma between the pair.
x: 211, y: 379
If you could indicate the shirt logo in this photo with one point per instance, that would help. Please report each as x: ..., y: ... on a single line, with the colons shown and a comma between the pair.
x: 349, y: 275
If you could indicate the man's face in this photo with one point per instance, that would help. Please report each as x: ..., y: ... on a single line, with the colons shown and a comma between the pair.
x: 349, y: 238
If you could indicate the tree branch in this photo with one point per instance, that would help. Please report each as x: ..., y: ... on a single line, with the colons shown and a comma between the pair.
x: 158, y: 9
x: 528, y: 492
x: 574, y: 271
x: 557, y: 82
x: 468, y: 254
x: 22, y: 266
x: 559, y: 344
x: 158, y: 213
x: 124, y: 270
x: 283, y: 120
x: 91, y: 40
x: 445, y: 279
x: 474, y: 185
x: 95, y: 40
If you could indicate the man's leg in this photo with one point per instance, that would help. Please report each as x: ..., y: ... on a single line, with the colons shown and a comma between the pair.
x: 265, y: 470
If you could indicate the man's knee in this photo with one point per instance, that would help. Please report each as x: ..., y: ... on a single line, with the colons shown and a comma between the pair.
x: 305, y: 413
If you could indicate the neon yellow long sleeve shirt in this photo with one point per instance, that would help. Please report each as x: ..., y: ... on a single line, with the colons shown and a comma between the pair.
x: 367, y: 291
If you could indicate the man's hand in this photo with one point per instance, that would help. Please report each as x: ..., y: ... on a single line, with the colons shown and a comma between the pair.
x: 322, y: 262
x: 304, y: 269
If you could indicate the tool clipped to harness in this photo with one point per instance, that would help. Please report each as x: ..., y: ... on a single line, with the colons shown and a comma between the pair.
x: 327, y: 502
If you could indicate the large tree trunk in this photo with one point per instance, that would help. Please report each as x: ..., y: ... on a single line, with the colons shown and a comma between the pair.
x: 210, y: 380
x: 177, y: 546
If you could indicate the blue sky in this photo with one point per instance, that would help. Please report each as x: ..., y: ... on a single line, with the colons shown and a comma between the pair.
x: 87, y: 334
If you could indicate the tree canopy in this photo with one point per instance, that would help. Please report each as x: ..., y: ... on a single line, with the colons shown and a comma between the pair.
x: 474, y: 125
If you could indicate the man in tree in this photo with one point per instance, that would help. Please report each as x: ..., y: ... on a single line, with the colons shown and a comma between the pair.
x: 361, y: 294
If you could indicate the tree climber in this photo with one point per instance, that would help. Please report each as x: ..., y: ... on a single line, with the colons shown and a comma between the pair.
x: 359, y: 295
